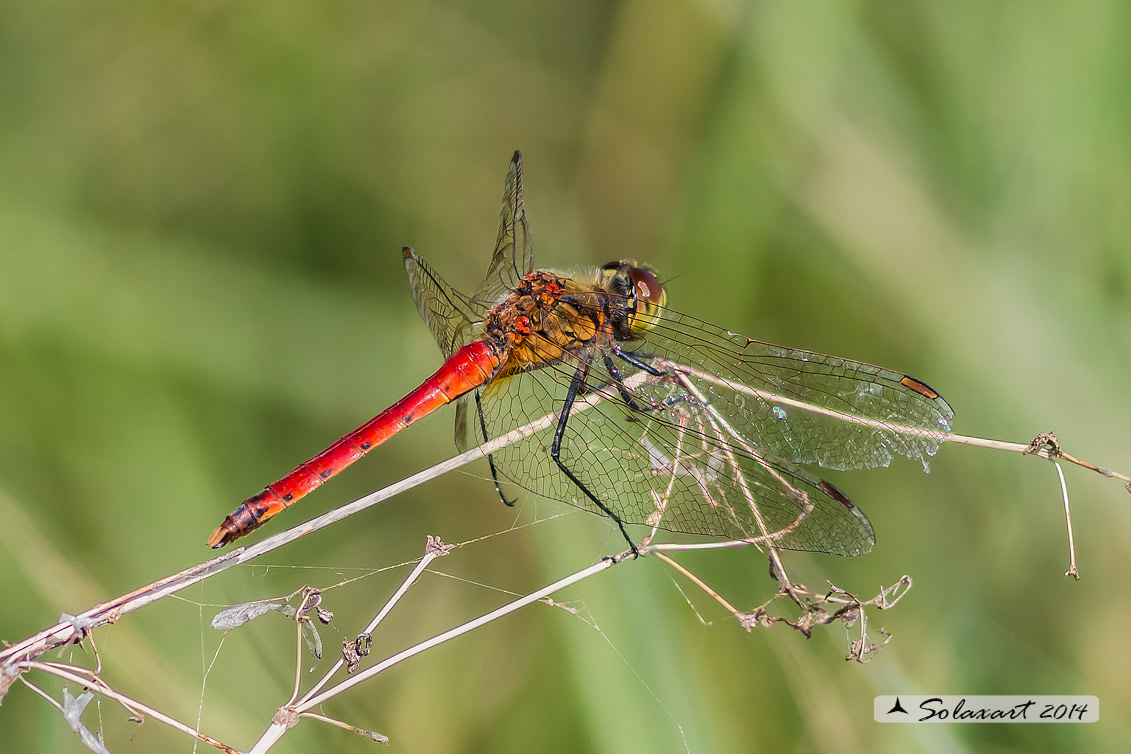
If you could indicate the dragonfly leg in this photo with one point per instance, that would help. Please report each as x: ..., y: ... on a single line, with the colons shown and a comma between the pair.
x: 490, y: 456
x: 625, y: 393
x: 638, y: 362
x: 575, y: 387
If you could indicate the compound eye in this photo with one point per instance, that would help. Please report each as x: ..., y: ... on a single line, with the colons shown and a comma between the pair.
x: 650, y: 298
x: 647, y: 286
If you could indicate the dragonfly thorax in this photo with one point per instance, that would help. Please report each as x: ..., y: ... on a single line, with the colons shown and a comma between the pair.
x: 547, y: 316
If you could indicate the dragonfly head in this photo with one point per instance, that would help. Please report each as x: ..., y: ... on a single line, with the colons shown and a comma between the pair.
x: 642, y: 293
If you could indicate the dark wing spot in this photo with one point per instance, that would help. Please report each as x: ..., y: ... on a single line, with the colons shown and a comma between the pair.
x: 835, y: 494
x: 921, y: 388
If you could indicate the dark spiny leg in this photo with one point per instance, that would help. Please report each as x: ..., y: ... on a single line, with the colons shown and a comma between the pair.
x: 638, y: 362
x: 625, y: 395
x: 669, y: 402
x: 490, y: 457
x: 555, y: 451
x: 618, y: 381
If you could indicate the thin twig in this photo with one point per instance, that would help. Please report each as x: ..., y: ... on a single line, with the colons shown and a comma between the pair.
x: 435, y: 549
x: 87, y: 679
x: 371, y: 735
x: 1044, y: 452
x: 1047, y: 442
x: 284, y: 721
x: 471, y: 625
x: 699, y: 583
x: 1072, y: 570
x: 50, y: 699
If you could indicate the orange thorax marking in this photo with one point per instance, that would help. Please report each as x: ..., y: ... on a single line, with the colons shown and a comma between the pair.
x: 547, y: 317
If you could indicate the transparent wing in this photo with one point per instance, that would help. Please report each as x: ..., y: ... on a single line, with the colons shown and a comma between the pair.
x: 514, y: 248
x: 452, y: 317
x: 804, y: 406
x: 713, y: 445
x: 448, y: 313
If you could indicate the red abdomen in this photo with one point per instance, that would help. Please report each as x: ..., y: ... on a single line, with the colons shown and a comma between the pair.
x: 466, y: 370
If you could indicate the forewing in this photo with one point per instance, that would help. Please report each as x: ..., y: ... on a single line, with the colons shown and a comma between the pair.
x: 804, y: 406
x: 448, y: 313
x: 514, y: 248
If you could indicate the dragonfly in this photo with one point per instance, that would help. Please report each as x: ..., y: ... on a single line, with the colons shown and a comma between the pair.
x: 657, y: 418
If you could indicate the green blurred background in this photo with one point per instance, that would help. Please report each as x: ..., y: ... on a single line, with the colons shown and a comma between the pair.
x: 201, y: 215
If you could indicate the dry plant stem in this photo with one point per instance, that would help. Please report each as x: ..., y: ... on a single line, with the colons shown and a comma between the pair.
x: 464, y: 628
x: 1072, y: 571
x: 277, y: 729
x: 784, y: 584
x: 1015, y: 447
x: 1046, y: 446
x: 87, y: 679
x: 298, y: 657
x: 376, y: 737
x: 429, y: 556
x: 50, y: 699
x: 734, y: 611
x: 788, y: 588
x: 300, y: 616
